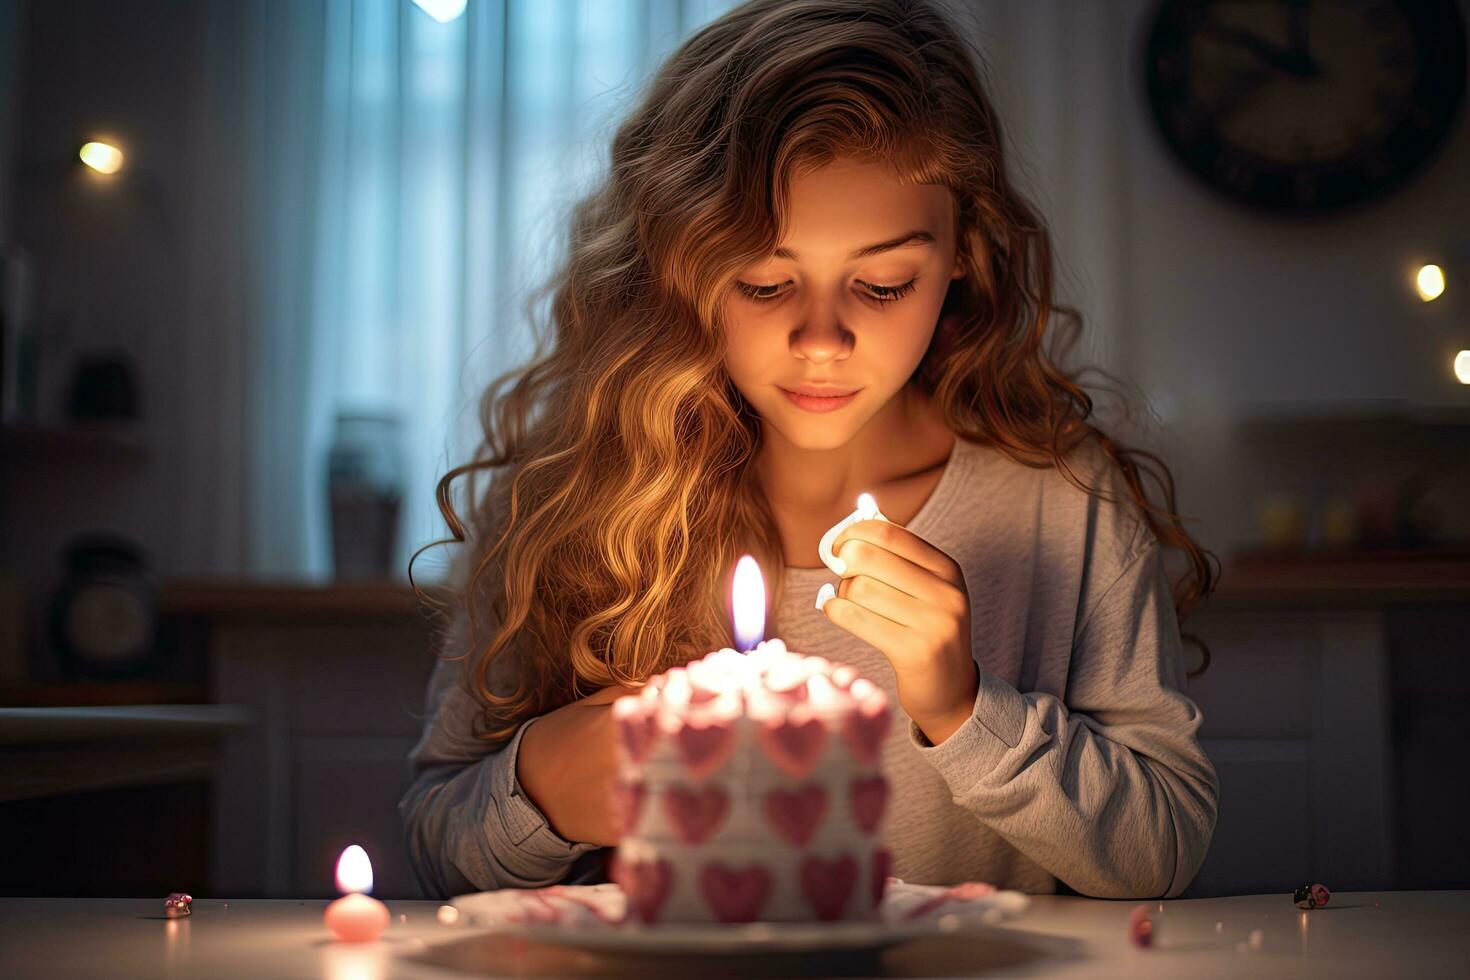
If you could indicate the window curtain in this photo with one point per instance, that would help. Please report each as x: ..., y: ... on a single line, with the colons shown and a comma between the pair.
x: 378, y: 191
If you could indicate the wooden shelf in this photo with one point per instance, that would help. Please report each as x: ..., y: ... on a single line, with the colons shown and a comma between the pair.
x: 233, y: 599
x: 1386, y: 415
x: 78, y: 440
x: 1371, y: 577
x: 50, y: 694
x: 112, y: 723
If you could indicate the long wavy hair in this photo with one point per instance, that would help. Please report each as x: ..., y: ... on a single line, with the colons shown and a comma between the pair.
x: 619, y: 457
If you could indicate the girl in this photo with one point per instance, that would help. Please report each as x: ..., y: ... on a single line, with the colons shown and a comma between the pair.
x: 805, y: 276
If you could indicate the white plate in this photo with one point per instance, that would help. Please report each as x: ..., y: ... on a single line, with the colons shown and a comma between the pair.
x: 749, y: 938
x: 588, y: 917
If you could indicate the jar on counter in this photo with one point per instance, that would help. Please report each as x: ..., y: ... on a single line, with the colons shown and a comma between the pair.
x: 366, y: 479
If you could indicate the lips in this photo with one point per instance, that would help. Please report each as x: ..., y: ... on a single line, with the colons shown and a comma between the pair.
x: 816, y: 392
x: 813, y: 399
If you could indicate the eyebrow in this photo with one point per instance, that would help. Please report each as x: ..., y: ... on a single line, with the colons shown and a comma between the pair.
x: 919, y: 237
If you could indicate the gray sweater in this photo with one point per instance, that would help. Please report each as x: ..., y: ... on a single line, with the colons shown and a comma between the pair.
x: 1079, y: 762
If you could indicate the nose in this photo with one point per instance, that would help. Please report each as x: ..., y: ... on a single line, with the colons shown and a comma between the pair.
x: 821, y: 338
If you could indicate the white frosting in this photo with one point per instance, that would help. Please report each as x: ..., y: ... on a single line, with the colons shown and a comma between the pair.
x: 727, y: 748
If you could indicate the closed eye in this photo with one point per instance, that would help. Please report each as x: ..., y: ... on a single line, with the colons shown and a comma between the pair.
x: 872, y: 291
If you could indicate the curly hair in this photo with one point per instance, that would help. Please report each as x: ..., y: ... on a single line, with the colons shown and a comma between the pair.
x: 619, y: 456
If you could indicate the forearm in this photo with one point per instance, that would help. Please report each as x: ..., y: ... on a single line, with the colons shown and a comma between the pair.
x: 470, y: 827
x: 1127, y: 814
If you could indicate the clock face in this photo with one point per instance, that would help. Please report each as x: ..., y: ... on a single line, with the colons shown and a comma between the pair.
x: 107, y: 623
x: 1305, y: 104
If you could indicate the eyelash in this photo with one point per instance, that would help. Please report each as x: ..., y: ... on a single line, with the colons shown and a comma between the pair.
x: 890, y: 294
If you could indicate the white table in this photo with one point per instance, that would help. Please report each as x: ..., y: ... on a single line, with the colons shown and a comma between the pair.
x: 1364, y: 934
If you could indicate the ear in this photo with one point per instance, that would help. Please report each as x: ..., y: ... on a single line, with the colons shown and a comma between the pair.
x: 959, y: 269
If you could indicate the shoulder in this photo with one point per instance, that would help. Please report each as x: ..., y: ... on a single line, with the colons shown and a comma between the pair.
x: 1102, y: 517
x: 1117, y: 521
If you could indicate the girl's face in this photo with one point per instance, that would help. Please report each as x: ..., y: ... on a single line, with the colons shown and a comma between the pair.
x: 825, y: 331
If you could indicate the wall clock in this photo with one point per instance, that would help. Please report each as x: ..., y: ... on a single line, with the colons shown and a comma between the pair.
x: 104, y: 615
x: 1305, y: 105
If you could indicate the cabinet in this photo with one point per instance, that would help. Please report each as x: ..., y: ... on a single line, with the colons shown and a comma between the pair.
x: 334, y: 678
x: 1333, y: 682
x: 1296, y: 720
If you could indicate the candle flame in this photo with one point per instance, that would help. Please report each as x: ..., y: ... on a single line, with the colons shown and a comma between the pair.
x: 748, y: 600
x: 354, y: 871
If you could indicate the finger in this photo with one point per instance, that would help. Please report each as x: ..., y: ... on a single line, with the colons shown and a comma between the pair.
x: 865, y: 558
x: 904, y: 543
x: 880, y: 597
x: 866, y: 625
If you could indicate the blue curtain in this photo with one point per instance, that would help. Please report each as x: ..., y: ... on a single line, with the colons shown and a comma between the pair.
x: 404, y: 182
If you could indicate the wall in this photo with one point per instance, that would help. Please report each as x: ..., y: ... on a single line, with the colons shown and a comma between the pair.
x: 10, y: 14
x: 1217, y: 313
x: 112, y: 259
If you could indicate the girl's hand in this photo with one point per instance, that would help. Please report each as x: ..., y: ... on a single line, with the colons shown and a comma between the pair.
x: 908, y: 599
x: 567, y: 764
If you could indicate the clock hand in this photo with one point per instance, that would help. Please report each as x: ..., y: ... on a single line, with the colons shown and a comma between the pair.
x: 1240, y: 89
x: 1298, y: 47
x: 1268, y: 53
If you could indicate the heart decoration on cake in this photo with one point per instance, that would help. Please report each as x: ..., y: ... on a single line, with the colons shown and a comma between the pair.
x: 639, y: 734
x: 704, y: 748
x: 868, y: 796
x: 628, y: 798
x: 828, y: 884
x: 866, y: 729
x: 735, y: 894
x: 796, y: 813
x: 647, y: 885
x: 794, y: 746
x: 696, y: 813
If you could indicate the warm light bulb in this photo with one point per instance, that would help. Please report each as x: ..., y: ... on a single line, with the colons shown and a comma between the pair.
x: 1462, y: 367
x: 354, y: 871
x: 102, y: 157
x: 1429, y: 282
x: 441, y: 10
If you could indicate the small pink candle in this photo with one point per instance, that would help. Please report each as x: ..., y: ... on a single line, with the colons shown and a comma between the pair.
x: 355, y: 917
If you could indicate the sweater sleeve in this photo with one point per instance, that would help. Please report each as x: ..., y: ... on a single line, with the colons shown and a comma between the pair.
x: 468, y: 824
x: 1108, y: 789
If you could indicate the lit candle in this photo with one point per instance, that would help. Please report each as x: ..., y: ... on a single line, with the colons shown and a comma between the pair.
x: 355, y: 917
x: 780, y: 691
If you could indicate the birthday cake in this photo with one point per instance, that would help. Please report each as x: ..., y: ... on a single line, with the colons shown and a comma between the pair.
x: 750, y: 789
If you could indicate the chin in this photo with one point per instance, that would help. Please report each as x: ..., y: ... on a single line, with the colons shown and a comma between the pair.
x: 816, y: 432
x: 817, y: 441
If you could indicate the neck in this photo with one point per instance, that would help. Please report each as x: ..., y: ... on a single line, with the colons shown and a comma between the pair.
x: 897, y: 441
